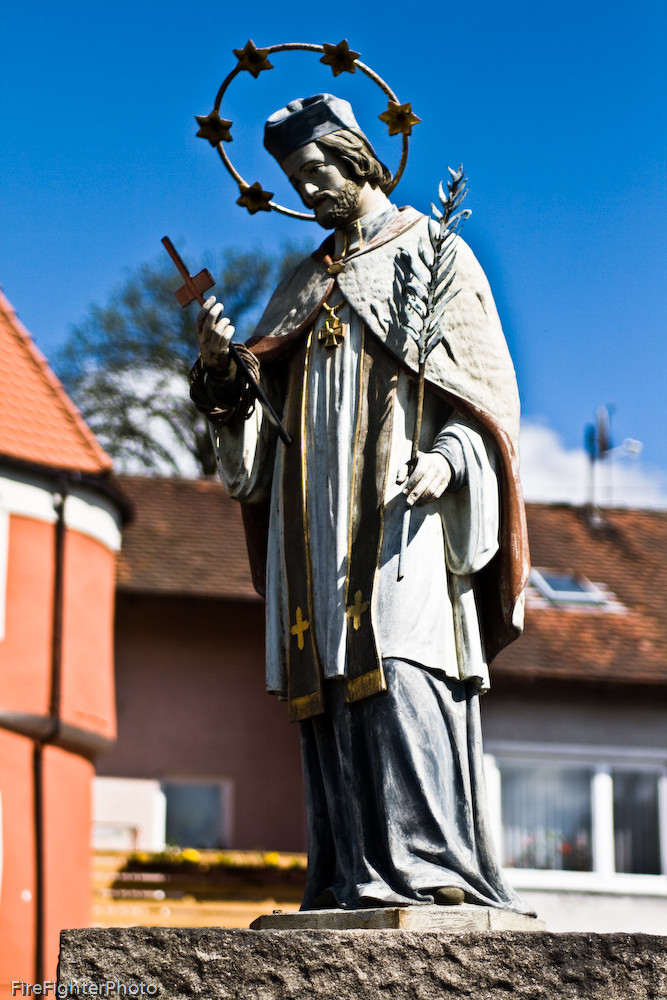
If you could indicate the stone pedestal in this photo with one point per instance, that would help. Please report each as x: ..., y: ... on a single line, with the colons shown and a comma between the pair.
x: 453, y: 919
x: 216, y: 964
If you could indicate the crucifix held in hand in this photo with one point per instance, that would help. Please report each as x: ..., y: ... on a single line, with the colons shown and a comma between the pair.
x: 193, y: 291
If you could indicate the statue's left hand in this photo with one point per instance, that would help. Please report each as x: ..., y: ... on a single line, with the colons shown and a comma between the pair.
x: 429, y: 479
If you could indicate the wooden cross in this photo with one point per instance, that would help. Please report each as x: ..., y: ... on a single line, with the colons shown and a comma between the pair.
x: 193, y: 291
x: 356, y: 610
x: 194, y: 287
x: 302, y: 625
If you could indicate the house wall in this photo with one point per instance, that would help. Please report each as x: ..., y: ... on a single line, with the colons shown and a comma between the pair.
x: 544, y: 722
x: 81, y: 717
x: 67, y: 787
x: 543, y: 714
x: 87, y: 698
x: 192, y: 703
x: 598, y: 913
x: 17, y: 908
x: 29, y: 603
x: 92, y: 539
x: 67, y: 807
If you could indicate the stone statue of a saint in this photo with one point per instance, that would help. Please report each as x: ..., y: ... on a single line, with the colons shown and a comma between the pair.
x: 383, y: 674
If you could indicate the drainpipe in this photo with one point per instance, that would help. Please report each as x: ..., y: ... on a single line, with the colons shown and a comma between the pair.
x: 55, y: 691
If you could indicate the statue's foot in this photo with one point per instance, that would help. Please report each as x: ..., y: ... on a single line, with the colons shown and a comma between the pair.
x: 449, y: 895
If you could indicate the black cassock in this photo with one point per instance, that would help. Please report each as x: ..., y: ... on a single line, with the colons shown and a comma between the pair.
x: 396, y: 797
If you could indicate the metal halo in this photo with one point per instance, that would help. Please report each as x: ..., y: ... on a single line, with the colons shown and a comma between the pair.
x: 304, y: 47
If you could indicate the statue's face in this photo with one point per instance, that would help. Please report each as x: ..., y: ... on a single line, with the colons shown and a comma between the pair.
x: 323, y: 185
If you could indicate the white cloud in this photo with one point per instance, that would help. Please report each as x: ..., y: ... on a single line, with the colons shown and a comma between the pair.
x: 141, y: 395
x: 552, y: 473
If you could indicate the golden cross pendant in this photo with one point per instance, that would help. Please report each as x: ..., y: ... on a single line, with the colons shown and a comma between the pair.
x: 333, y: 332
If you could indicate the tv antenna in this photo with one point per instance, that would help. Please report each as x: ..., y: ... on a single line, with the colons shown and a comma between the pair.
x: 599, y: 447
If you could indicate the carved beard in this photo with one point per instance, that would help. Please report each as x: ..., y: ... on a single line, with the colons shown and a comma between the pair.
x: 345, y: 202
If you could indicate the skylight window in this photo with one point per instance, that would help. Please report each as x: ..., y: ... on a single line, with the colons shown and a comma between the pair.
x: 566, y: 588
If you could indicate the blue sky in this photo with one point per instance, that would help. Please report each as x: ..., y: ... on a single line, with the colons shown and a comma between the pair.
x: 557, y: 111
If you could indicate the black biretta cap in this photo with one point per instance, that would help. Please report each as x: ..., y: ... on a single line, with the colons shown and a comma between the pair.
x: 306, y: 119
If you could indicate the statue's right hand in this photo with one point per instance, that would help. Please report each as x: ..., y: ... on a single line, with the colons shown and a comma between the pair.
x: 214, y: 334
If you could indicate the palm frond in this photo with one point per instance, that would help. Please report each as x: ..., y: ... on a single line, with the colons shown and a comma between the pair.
x: 421, y: 302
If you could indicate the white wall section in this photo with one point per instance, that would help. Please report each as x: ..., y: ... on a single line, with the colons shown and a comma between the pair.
x: 86, y: 511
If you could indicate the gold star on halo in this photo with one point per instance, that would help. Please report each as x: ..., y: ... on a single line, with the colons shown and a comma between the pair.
x: 214, y: 128
x: 340, y: 57
x: 399, y: 118
x: 254, y: 198
x: 253, y: 59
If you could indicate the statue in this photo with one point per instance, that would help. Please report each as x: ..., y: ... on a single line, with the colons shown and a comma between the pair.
x: 393, y: 524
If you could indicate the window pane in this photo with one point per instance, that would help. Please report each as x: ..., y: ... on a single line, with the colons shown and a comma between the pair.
x: 547, y: 818
x: 563, y: 584
x: 636, y: 829
x: 194, y: 814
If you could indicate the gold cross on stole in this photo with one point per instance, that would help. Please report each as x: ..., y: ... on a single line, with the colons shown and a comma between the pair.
x: 356, y: 610
x: 302, y: 625
x: 333, y: 332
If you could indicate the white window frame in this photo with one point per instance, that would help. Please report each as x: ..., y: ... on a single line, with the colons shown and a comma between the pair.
x: 130, y: 811
x: 602, y: 761
x: 590, y: 594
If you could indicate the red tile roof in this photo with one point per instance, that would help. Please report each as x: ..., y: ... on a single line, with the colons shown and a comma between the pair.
x: 38, y: 421
x: 187, y: 538
x: 624, y: 642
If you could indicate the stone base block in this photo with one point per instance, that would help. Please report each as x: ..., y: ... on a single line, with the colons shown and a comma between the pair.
x: 454, y: 919
x: 216, y: 964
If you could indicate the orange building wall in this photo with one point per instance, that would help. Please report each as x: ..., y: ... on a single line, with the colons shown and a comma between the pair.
x: 67, y: 784
x: 87, y: 702
x: 67, y: 810
x: 17, y: 893
x: 25, y: 652
x: 88, y: 679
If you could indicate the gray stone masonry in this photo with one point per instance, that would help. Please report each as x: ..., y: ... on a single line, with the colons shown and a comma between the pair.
x: 217, y: 964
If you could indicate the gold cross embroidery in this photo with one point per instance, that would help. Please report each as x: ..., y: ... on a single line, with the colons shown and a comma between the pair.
x: 302, y: 625
x: 356, y: 610
x: 333, y: 332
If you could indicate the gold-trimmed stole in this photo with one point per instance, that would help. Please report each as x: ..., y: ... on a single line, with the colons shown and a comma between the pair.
x: 372, y: 443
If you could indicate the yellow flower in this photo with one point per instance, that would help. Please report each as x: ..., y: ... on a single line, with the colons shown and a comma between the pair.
x: 190, y: 854
x: 272, y: 859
